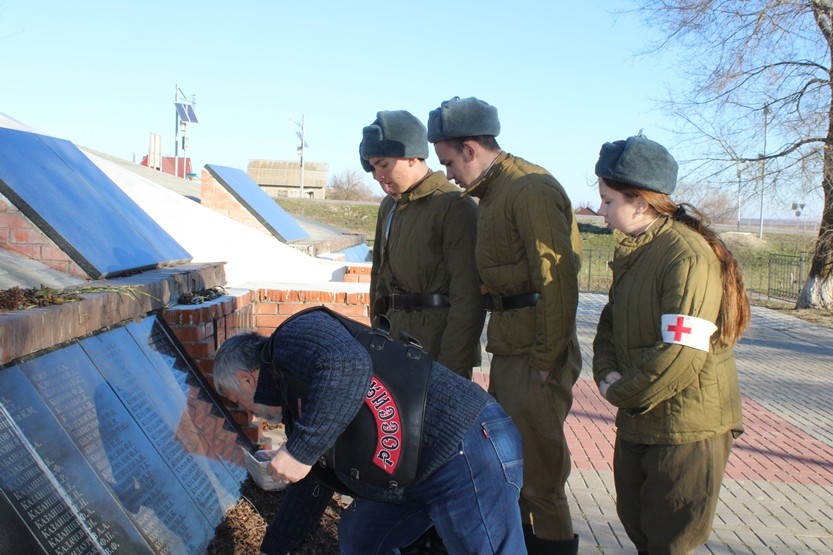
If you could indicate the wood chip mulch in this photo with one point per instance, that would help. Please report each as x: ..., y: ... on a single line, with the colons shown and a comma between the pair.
x: 242, y: 530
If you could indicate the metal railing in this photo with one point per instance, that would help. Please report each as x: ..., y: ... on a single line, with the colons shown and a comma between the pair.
x: 786, y: 276
x: 775, y: 276
x: 595, y: 270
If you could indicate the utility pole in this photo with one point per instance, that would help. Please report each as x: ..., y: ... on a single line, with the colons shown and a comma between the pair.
x: 176, y: 133
x: 738, y: 170
x: 763, y: 172
x: 301, y: 148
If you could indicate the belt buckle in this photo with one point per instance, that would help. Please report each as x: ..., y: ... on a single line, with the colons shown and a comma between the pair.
x: 395, y: 303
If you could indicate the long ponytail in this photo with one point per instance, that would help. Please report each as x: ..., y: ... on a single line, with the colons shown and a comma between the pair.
x: 734, y: 308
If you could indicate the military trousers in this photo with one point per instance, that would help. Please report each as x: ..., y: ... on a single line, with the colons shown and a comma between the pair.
x: 666, y: 495
x: 538, y: 409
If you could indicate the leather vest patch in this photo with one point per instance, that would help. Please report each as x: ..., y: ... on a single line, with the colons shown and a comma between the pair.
x: 388, y: 425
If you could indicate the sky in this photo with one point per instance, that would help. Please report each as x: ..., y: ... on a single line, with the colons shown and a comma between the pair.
x: 103, y: 74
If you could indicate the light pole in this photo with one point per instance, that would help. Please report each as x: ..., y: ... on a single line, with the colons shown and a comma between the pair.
x: 738, y: 171
x: 184, y: 115
x: 301, y: 148
x: 763, y: 172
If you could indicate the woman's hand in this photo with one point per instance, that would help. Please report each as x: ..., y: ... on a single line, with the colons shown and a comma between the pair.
x: 609, y: 380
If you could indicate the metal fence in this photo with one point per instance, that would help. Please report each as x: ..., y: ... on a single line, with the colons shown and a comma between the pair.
x: 786, y: 275
x: 774, y: 276
x: 595, y: 270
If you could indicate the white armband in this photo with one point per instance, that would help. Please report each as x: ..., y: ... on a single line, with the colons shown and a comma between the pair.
x: 687, y: 330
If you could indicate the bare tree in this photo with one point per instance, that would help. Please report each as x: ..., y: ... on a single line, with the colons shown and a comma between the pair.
x: 348, y: 185
x: 712, y: 201
x: 759, y: 99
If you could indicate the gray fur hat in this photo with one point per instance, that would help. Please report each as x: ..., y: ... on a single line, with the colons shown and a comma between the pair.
x: 366, y: 166
x: 640, y: 162
x: 394, y: 134
x: 462, y: 117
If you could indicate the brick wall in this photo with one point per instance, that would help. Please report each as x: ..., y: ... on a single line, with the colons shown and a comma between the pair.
x: 20, y: 235
x: 357, y: 274
x: 215, y: 196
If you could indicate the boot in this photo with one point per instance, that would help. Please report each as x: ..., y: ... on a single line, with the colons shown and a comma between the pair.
x: 537, y: 546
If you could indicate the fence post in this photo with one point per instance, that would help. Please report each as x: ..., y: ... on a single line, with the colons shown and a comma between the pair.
x: 589, y: 268
x: 801, y: 275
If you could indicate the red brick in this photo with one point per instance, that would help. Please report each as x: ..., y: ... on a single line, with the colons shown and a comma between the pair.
x: 202, y: 349
x: 267, y: 308
x: 267, y: 322
x: 193, y: 333
x: 319, y: 296
x: 26, y: 235
x: 294, y: 308
x: 358, y: 270
x: 358, y: 298
x: 28, y: 250
x: 349, y: 310
x: 51, y: 252
x: 13, y: 220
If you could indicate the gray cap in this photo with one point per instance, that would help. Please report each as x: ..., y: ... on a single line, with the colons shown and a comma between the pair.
x: 640, y: 162
x: 394, y: 134
x: 462, y: 117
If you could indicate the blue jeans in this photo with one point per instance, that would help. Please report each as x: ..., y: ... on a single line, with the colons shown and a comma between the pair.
x: 472, y: 499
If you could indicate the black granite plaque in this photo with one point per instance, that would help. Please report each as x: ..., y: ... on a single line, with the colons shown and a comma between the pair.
x: 79, y: 208
x: 160, y: 412
x: 50, y: 485
x: 260, y: 205
x: 218, y: 438
x: 113, y: 445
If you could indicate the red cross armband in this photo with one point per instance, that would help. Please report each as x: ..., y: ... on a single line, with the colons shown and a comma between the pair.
x: 687, y: 330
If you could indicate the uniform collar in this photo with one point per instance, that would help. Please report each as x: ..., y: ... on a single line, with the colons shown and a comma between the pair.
x: 478, y: 189
x: 625, y: 241
x: 423, y: 188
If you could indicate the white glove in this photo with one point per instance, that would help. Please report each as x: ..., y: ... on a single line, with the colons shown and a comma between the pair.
x: 609, y: 380
x: 258, y: 467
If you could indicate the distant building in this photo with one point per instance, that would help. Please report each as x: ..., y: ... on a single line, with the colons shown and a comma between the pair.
x: 180, y: 167
x: 282, y: 178
x: 585, y: 211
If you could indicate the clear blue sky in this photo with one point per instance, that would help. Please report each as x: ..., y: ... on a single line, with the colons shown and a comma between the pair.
x: 103, y: 74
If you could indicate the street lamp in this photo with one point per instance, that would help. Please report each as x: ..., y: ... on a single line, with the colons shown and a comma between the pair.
x: 763, y: 172
x: 738, y: 172
x: 301, y: 148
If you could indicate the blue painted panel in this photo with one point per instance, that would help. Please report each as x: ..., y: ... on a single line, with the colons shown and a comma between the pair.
x: 357, y: 253
x: 259, y: 204
x: 79, y: 208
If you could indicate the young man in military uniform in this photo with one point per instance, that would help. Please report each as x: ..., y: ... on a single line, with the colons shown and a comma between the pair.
x: 423, y: 278
x: 528, y: 257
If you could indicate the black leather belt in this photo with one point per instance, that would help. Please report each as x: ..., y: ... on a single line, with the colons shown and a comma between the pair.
x: 410, y: 301
x: 496, y: 302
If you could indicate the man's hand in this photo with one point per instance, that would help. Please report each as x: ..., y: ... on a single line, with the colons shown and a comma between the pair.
x: 608, y: 381
x: 286, y: 468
